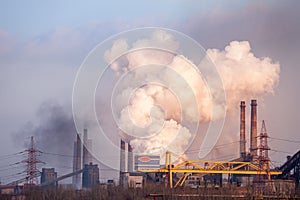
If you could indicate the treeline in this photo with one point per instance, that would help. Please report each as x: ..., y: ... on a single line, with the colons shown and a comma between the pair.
x: 97, y: 193
x: 149, y: 191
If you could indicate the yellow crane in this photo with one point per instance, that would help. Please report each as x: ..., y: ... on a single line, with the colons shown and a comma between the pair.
x: 209, y: 167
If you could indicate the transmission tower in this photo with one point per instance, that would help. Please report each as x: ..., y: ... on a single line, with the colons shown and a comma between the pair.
x: 32, y: 160
x: 263, y: 148
x: 263, y: 160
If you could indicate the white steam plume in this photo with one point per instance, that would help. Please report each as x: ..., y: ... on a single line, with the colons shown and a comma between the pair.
x: 244, y: 76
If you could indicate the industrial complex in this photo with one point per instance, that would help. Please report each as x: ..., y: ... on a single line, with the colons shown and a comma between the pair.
x: 251, y: 169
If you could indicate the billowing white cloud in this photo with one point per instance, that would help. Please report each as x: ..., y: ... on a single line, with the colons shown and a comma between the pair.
x: 244, y: 76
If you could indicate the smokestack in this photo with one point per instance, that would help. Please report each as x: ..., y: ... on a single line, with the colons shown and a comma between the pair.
x: 253, y: 132
x: 85, y: 157
x: 77, y: 160
x: 122, y: 157
x: 78, y: 152
x: 130, y: 159
x: 243, y: 130
x: 74, y: 180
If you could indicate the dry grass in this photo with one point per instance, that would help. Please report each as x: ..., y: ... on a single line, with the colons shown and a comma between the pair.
x: 120, y: 193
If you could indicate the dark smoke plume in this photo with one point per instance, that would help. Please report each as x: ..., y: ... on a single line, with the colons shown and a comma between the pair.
x: 54, y: 134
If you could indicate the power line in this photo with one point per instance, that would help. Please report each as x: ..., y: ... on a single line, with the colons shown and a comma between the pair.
x: 286, y: 140
x: 56, y: 154
x: 71, y: 156
x: 7, y: 156
x: 215, y: 146
x: 13, y: 175
x: 10, y: 168
x: 279, y: 151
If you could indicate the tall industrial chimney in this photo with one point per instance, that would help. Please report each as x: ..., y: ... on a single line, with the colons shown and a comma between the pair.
x: 74, y: 178
x: 77, y: 161
x: 253, y: 131
x: 85, y: 156
x: 243, y: 130
x: 78, y: 152
x: 122, y: 157
x: 130, y: 159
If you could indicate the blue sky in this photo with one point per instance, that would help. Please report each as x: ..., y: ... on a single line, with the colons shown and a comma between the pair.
x: 33, y: 17
x: 42, y: 45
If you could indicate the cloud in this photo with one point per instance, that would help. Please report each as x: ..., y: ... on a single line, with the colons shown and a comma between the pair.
x: 274, y: 24
x: 7, y: 42
x: 244, y: 75
x: 59, y: 45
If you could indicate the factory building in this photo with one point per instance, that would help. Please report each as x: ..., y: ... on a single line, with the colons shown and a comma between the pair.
x: 194, y: 180
x: 128, y: 175
x: 132, y: 180
x: 90, y: 175
x: 48, y: 175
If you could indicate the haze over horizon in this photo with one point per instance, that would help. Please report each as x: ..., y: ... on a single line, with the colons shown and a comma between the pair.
x: 44, y: 44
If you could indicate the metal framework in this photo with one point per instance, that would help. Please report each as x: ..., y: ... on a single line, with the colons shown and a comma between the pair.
x: 291, y: 168
x: 208, y: 167
x: 32, y: 160
x: 263, y: 159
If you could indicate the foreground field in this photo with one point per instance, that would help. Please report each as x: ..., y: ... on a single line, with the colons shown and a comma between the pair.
x: 148, y: 192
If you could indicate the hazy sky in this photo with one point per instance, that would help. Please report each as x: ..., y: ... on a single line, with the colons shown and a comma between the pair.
x: 42, y: 45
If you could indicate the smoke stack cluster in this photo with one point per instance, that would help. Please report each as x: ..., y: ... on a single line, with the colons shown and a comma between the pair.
x: 123, y: 157
x: 81, y: 155
x: 253, y: 130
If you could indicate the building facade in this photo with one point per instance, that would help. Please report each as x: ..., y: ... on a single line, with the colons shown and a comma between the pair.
x: 48, y: 175
x: 90, y: 175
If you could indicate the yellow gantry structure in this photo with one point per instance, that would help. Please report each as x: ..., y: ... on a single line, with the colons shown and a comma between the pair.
x: 210, y: 167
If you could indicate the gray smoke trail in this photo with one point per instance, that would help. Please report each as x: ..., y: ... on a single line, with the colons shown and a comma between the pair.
x: 54, y: 135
